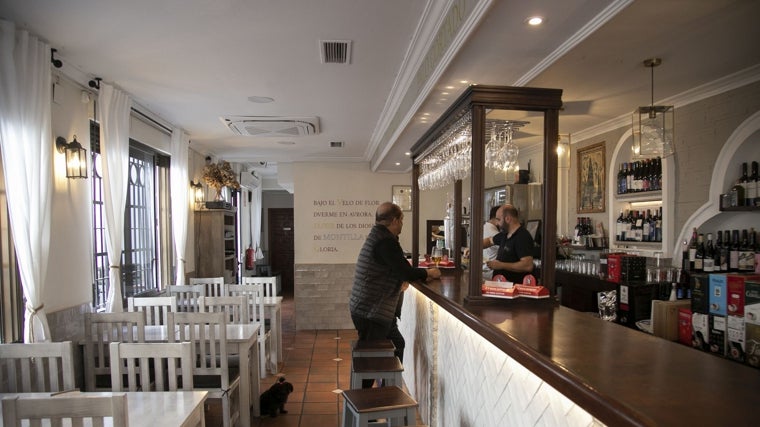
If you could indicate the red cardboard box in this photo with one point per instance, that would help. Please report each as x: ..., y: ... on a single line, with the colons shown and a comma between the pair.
x: 735, y: 292
x: 613, y: 267
x: 684, y: 326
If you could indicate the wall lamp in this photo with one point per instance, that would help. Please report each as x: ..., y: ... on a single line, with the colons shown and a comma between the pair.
x: 76, y: 157
x: 197, y: 191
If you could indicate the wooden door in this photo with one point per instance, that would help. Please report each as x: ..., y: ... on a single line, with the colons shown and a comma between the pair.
x: 281, y: 251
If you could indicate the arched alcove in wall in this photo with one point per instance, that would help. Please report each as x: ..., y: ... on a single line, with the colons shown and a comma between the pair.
x: 743, y: 145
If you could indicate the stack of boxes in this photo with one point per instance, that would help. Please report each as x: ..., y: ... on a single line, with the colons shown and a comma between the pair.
x: 724, y: 317
x: 634, y: 293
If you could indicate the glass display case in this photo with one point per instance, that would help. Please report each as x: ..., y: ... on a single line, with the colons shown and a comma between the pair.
x: 489, y: 128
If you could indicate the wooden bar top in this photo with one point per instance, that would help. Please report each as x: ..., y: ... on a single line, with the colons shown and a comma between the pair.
x: 619, y: 375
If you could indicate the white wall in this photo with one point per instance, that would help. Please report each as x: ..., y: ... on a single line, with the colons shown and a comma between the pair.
x: 323, y: 192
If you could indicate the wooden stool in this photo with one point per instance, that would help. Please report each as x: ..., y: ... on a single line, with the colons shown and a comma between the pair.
x: 373, y: 348
x: 362, y: 405
x: 388, y: 369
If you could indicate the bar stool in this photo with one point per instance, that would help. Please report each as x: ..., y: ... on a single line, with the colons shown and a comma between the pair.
x: 386, y: 369
x: 362, y: 405
x: 373, y: 348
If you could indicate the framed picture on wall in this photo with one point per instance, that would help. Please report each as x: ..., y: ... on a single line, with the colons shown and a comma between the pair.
x: 591, y: 173
x: 402, y: 196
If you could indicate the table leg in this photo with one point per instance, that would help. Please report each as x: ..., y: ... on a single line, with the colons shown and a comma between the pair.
x: 245, y: 384
x: 255, y: 378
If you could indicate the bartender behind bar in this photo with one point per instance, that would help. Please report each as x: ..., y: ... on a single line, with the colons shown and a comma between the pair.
x: 514, y: 260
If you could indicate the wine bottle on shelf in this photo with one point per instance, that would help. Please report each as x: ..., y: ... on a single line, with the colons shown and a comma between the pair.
x: 699, y: 255
x: 658, y: 227
x: 754, y: 187
x: 717, y: 261
x: 744, y: 183
x: 725, y: 256
x: 692, y: 249
x: 645, y: 227
x: 619, y: 227
x: 708, y: 262
x: 733, y: 255
x: 746, y: 254
x: 757, y: 253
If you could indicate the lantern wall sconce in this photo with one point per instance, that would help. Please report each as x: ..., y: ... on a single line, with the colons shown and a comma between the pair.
x: 197, y: 191
x: 76, y: 157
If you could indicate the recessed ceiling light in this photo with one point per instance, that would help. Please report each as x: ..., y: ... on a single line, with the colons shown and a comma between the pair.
x: 425, y: 114
x: 449, y: 87
x: 535, y: 20
x: 286, y: 142
x: 408, y: 153
x: 444, y: 93
x: 464, y: 82
x: 398, y: 164
x: 260, y: 99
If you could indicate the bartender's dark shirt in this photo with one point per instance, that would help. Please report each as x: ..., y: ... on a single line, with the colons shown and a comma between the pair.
x: 512, y: 249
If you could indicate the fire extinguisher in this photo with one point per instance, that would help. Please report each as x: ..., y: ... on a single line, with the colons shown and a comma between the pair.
x: 249, y: 258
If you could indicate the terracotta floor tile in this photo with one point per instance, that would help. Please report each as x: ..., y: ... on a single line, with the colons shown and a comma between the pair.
x: 328, y: 386
x: 320, y: 408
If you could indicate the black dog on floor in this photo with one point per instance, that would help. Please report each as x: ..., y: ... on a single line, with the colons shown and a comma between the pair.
x: 274, y: 399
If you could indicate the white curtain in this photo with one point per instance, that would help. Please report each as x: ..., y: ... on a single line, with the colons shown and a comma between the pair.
x: 179, y: 198
x: 113, y: 109
x: 26, y: 143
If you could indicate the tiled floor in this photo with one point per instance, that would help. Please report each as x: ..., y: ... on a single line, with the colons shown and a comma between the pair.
x: 318, y: 364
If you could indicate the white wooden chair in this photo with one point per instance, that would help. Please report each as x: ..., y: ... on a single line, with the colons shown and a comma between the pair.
x: 66, y: 410
x: 236, y: 307
x: 152, y: 366
x: 37, y: 367
x: 100, y: 329
x: 155, y: 308
x: 269, y: 284
x: 267, y: 349
x: 213, y: 286
x: 208, y: 333
x: 186, y: 296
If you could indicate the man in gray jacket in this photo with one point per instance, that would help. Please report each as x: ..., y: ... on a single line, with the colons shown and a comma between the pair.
x: 382, y: 273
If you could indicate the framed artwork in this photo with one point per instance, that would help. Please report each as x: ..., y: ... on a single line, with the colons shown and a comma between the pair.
x: 591, y: 173
x: 402, y: 196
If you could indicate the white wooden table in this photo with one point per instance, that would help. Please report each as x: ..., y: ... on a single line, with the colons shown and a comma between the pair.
x: 159, y: 408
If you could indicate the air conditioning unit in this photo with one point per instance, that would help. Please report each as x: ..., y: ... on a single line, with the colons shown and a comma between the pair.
x: 272, y: 125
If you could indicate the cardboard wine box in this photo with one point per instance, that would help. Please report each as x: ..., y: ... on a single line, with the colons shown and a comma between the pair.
x: 717, y: 297
x: 752, y: 344
x: 634, y: 303
x: 717, y: 329
x: 700, y: 331
x: 684, y: 326
x: 752, y: 302
x: 665, y: 318
x: 735, y: 292
x: 700, y: 288
x: 735, y: 347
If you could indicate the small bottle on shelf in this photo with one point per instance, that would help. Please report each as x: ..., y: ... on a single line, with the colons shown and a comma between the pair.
x: 692, y: 249
x: 746, y: 253
x: 753, y: 190
x: 699, y: 254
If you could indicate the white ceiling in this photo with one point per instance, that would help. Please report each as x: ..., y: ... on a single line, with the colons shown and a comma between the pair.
x: 192, y: 61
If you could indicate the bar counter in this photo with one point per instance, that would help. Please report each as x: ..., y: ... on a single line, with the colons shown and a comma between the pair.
x: 618, y: 375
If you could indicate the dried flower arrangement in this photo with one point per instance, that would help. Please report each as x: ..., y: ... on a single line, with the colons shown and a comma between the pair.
x: 218, y: 175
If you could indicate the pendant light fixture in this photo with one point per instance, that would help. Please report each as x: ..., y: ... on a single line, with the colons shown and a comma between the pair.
x: 653, y: 125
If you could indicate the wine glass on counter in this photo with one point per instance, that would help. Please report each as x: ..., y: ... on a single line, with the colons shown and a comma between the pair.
x: 437, y: 255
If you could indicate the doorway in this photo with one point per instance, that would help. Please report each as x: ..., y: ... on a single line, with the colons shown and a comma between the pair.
x: 281, y: 246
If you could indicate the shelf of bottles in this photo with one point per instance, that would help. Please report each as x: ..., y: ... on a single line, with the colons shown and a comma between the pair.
x: 640, y: 212
x: 744, y: 195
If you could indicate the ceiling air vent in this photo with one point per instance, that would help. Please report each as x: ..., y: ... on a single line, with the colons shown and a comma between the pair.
x: 272, y: 125
x: 335, y: 51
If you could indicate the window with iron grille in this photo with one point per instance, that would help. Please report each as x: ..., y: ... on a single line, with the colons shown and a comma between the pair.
x: 141, y: 260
